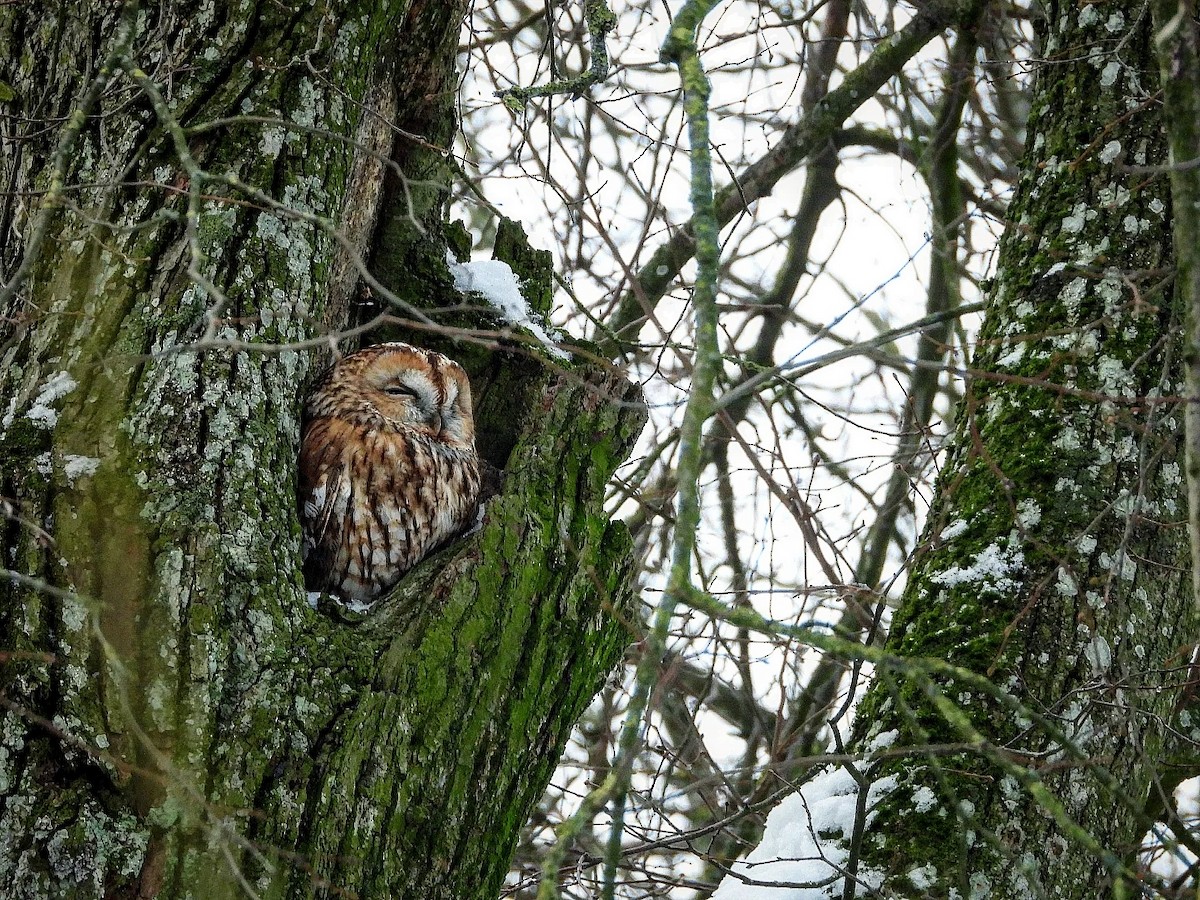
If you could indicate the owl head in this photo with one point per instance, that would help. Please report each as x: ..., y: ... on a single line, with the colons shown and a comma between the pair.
x: 400, y: 386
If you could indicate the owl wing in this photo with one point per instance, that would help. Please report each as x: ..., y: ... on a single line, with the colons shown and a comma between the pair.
x: 325, y: 496
x: 325, y: 504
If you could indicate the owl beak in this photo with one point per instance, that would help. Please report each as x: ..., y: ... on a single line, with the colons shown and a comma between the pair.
x: 437, y: 422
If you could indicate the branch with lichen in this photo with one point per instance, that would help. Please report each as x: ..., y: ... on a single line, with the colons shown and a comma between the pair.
x: 198, y: 177
x: 680, y: 48
x: 600, y: 22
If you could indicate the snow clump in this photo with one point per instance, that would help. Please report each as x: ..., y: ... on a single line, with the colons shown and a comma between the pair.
x: 804, y: 845
x: 992, y: 569
x: 498, y: 285
x: 57, y: 386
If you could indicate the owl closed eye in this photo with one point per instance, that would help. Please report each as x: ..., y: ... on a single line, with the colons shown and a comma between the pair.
x: 388, y: 468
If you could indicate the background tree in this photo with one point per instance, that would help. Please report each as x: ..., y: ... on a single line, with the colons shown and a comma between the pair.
x: 1054, y: 568
x: 189, y: 198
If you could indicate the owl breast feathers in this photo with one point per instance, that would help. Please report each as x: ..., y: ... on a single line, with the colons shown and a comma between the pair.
x: 388, y: 469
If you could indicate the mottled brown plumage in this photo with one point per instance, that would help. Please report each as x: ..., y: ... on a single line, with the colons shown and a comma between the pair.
x: 388, y: 469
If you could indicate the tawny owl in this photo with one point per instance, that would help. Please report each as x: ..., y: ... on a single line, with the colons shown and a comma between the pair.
x: 388, y: 469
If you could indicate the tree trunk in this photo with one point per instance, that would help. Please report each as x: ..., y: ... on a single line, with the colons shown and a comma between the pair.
x: 177, y: 721
x: 1055, y: 562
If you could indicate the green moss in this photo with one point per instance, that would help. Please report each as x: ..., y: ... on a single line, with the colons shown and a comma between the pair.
x: 20, y: 444
x: 534, y: 268
x: 481, y: 659
x: 458, y: 239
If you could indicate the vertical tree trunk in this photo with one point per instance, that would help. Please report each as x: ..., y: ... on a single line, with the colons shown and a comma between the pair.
x: 176, y: 720
x: 1055, y: 562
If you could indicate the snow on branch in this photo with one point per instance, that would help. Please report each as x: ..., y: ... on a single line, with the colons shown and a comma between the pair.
x: 497, y: 283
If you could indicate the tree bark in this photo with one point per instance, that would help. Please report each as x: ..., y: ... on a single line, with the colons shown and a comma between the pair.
x: 1055, y: 562
x: 175, y: 719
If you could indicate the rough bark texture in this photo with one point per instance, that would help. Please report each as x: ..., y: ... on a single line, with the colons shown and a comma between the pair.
x: 176, y: 720
x: 1056, y: 558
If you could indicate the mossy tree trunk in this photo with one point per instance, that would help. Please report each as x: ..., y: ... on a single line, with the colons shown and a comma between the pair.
x: 1055, y: 563
x: 176, y: 720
